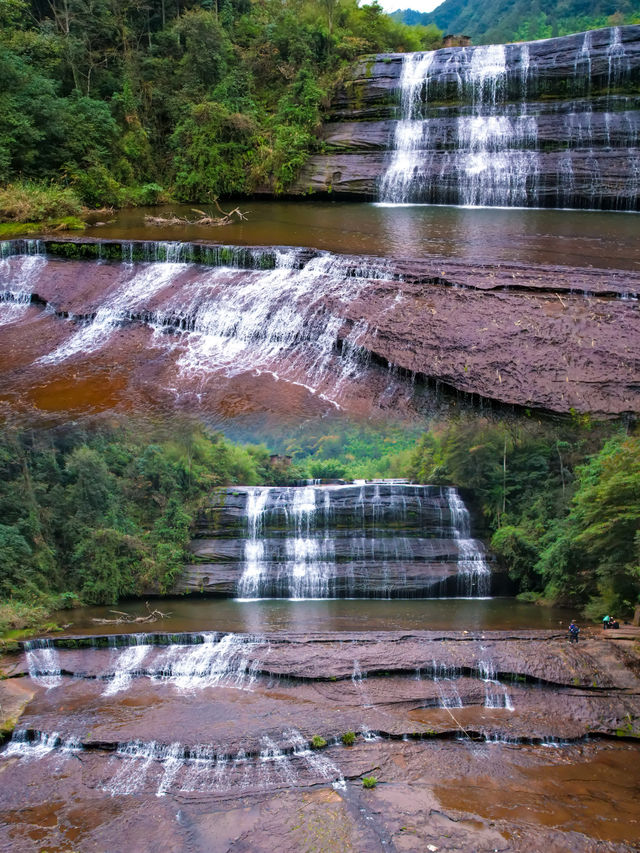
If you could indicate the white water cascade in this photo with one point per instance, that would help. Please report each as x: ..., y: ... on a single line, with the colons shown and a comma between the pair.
x: 496, y: 694
x: 216, y: 660
x: 43, y: 662
x: 140, y: 285
x: 151, y: 766
x: 263, y: 311
x: 366, y: 541
x: 18, y: 277
x: 474, y: 577
x: 476, y: 127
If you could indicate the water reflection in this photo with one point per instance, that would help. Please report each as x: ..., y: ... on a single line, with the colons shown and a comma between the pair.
x: 256, y: 617
x: 568, y: 237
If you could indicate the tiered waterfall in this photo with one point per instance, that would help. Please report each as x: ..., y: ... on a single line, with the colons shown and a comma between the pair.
x: 373, y: 540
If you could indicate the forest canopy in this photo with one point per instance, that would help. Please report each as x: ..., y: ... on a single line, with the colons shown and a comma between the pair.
x: 497, y: 21
x: 122, y: 102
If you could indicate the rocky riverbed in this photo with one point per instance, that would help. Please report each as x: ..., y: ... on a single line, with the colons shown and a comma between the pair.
x: 478, y: 740
x: 330, y: 332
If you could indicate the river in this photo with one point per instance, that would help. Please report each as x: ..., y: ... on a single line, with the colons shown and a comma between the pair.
x: 198, y: 613
x: 557, y: 237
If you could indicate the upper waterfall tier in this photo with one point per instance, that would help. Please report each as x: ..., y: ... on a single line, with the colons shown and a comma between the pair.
x: 367, y: 541
x: 552, y: 123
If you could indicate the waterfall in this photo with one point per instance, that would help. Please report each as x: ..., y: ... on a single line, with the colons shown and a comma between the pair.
x: 126, y: 664
x: 140, y: 285
x: 496, y: 694
x: 411, y: 132
x: 218, y: 660
x: 369, y: 540
x: 139, y: 765
x: 39, y: 745
x: 476, y: 127
x: 449, y: 695
x: 18, y: 275
x: 233, y: 319
x: 43, y: 662
x: 474, y: 578
x: 249, y: 585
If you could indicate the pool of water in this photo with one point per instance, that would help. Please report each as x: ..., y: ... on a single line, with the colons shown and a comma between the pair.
x: 482, y: 235
x: 258, y: 616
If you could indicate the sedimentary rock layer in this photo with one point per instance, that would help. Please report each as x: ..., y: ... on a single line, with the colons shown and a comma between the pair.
x: 330, y: 326
x: 552, y: 123
x: 202, y: 741
x: 356, y: 541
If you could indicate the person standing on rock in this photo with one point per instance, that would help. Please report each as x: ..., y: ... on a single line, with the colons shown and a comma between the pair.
x: 573, y: 632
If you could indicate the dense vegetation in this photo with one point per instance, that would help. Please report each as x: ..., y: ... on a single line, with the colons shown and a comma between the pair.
x: 97, y: 515
x: 105, y: 514
x: 123, y: 102
x: 497, y: 21
x: 560, y: 503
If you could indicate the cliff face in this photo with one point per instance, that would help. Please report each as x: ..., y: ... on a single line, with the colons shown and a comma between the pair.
x: 356, y: 541
x: 553, y: 123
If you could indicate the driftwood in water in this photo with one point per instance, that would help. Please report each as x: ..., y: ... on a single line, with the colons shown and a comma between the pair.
x: 203, y: 217
x: 128, y: 619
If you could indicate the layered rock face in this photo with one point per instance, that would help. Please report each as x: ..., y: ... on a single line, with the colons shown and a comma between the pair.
x: 205, y: 742
x: 333, y: 331
x: 355, y: 541
x: 552, y: 123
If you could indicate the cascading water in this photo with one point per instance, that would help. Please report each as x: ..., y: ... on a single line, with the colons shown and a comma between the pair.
x: 476, y: 128
x: 224, y: 311
x: 366, y: 541
x: 496, y: 694
x: 218, y: 660
x: 43, y: 662
x: 474, y: 578
x: 139, y: 286
x: 18, y: 277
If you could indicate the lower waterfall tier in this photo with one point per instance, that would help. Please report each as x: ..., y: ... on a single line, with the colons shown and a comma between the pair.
x: 352, y: 541
x: 222, y: 741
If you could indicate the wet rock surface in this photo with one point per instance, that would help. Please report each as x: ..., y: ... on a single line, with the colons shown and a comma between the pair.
x: 477, y: 741
x: 355, y: 541
x: 547, y: 123
x: 553, y: 338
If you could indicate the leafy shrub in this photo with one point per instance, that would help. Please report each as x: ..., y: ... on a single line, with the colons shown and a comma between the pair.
x: 348, y: 738
x: 318, y: 742
x: 28, y: 201
x: 369, y: 782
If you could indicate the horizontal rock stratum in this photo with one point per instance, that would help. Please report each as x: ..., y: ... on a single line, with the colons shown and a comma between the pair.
x: 551, y: 123
x: 478, y: 740
x: 236, y: 330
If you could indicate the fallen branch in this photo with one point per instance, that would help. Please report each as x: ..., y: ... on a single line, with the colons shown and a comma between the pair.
x: 127, y: 619
x: 204, y: 218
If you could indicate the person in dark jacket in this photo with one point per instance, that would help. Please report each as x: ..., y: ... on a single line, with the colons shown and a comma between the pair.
x: 573, y: 632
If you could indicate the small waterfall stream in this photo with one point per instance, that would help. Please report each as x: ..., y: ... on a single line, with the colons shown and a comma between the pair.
x: 43, y: 662
x: 18, y: 279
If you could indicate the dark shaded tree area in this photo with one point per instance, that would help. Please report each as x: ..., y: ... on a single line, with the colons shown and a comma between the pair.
x: 105, y: 514
x: 496, y: 21
x: 561, y: 504
x: 124, y: 100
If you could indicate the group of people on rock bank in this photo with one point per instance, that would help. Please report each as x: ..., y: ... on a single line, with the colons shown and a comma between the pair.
x: 607, y: 622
